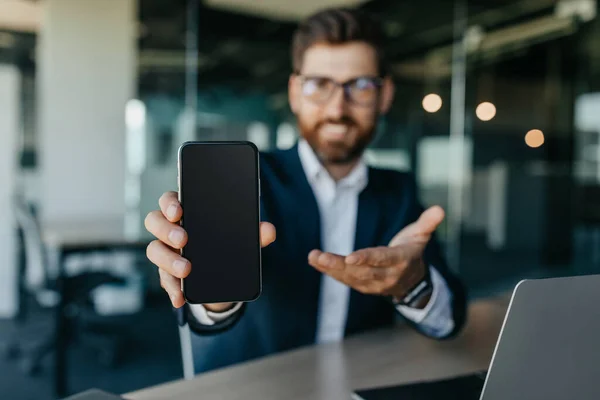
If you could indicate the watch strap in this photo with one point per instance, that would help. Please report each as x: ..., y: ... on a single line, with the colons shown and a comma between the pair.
x: 417, y: 292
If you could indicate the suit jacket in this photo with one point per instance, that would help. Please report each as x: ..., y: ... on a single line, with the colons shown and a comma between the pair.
x: 285, y: 315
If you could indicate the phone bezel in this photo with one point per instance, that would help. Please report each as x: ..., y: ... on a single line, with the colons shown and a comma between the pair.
x: 258, y: 189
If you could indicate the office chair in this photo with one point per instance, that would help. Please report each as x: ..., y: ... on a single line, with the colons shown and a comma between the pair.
x: 185, y: 342
x: 38, y: 288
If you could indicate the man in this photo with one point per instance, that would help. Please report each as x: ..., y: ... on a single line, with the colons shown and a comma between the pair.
x: 354, y: 248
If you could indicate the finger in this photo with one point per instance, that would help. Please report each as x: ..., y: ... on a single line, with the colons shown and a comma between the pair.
x: 170, y: 207
x: 326, y: 260
x: 168, y: 260
x: 313, y: 260
x: 381, y: 256
x: 172, y: 286
x: 427, y: 223
x: 267, y: 234
x: 164, y: 230
x: 313, y: 256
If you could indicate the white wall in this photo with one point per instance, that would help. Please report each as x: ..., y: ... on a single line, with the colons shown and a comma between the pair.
x: 9, y: 129
x: 86, y: 74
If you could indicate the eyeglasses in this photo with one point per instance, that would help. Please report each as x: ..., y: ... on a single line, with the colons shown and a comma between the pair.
x: 362, y: 91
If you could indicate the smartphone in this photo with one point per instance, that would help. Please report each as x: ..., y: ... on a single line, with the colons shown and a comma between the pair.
x: 219, y: 190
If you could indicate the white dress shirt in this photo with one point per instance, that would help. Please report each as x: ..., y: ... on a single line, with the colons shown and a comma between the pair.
x: 338, y: 208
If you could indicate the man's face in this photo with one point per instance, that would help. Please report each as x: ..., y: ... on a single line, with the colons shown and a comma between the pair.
x: 339, y: 126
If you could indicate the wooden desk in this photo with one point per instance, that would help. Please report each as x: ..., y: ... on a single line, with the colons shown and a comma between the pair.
x: 331, y: 372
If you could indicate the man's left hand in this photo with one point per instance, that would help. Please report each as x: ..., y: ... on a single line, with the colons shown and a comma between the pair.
x: 386, y: 270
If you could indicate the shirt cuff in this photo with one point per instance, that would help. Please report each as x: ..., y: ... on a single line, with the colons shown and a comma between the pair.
x: 210, y: 318
x: 436, y: 318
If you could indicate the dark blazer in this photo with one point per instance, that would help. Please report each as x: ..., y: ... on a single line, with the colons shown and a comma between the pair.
x: 285, y: 315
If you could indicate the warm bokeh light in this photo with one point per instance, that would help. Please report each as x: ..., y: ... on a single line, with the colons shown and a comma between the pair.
x: 485, y: 111
x: 432, y: 103
x: 534, y: 138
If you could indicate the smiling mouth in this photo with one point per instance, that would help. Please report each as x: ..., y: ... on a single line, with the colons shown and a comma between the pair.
x: 334, y: 131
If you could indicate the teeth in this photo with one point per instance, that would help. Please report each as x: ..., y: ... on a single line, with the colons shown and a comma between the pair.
x: 337, y: 129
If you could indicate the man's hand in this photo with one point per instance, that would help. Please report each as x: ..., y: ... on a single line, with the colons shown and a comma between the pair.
x: 164, y: 252
x: 387, y: 270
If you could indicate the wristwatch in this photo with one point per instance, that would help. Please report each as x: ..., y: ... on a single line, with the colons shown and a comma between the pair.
x: 422, y: 289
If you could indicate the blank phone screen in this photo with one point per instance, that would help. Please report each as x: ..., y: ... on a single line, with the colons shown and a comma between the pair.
x: 220, y: 200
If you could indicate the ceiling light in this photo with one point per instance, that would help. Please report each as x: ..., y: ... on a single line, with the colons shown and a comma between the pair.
x: 485, y: 111
x: 432, y: 103
x: 534, y: 138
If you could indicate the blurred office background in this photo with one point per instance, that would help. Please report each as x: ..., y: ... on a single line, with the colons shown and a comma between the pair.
x: 497, y: 113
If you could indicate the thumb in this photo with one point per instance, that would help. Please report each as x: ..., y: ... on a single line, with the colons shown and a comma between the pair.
x: 267, y: 234
x: 421, y: 229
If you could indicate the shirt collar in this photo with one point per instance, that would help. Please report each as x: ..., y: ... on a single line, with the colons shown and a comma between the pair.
x: 314, y: 170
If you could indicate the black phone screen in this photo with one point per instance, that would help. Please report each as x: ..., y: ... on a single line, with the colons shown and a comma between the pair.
x: 219, y: 194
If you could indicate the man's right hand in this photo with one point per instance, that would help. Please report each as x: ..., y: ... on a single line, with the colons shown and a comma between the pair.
x: 171, y: 237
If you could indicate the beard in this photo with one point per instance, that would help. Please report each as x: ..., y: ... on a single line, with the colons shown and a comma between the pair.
x: 338, y: 151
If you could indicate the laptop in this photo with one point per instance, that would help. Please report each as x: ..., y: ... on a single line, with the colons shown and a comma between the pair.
x: 548, y: 349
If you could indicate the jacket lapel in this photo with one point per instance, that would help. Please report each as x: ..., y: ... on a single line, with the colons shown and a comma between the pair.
x: 368, y: 232
x: 304, y: 235
x: 306, y: 210
x: 368, y: 219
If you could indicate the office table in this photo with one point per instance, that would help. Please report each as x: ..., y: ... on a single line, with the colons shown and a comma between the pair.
x: 63, y: 238
x: 332, y: 371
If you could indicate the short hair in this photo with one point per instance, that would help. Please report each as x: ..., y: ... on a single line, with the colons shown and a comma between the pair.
x: 338, y: 26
